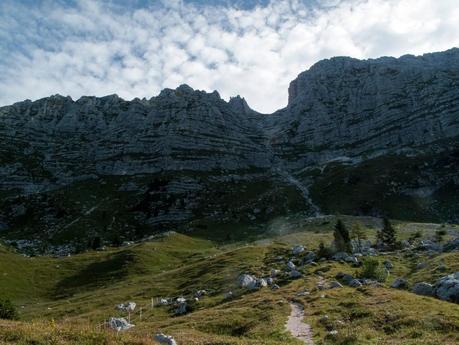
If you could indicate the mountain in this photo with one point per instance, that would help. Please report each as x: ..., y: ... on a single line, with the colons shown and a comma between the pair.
x: 364, y: 137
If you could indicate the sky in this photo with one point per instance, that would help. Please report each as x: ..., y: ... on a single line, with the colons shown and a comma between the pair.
x: 252, y: 48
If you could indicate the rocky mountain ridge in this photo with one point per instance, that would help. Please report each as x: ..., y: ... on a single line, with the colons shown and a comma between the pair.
x: 186, y: 155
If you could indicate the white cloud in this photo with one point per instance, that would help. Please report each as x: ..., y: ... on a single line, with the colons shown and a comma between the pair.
x: 95, y: 49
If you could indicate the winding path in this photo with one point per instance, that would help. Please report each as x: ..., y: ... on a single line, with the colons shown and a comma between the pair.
x: 296, y: 326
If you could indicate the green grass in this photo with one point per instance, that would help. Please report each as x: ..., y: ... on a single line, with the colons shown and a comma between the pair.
x: 63, y: 300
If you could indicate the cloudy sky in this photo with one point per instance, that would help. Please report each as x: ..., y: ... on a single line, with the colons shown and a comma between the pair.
x: 254, y: 48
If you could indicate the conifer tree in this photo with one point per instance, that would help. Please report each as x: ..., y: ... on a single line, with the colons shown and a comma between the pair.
x: 342, y: 240
x: 387, y: 235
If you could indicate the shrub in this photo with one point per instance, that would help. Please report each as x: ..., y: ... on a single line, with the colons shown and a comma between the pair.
x: 439, y: 235
x: 7, y: 310
x: 372, y: 269
x: 324, y: 252
x: 415, y: 236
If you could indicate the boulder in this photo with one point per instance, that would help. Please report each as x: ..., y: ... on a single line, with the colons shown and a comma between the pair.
x: 291, y: 266
x: 164, y: 339
x: 163, y: 301
x: 360, y: 246
x: 248, y: 281
x: 351, y: 259
x: 294, y: 274
x: 344, y: 277
x: 424, y: 289
x: 399, y: 283
x: 451, y: 245
x: 355, y: 283
x: 340, y: 256
x: 297, y: 250
x: 275, y: 273
x: 119, y: 324
x: 447, y: 288
x: 181, y: 308
x: 310, y: 256
x: 430, y: 245
x: 126, y: 307
x: 200, y: 293
x: 262, y: 282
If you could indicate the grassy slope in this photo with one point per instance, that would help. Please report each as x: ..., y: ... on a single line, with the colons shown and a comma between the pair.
x: 80, y: 291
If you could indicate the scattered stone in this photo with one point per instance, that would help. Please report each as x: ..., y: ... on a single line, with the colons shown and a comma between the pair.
x: 126, y: 307
x: 181, y: 300
x: 297, y: 250
x: 310, y: 256
x: 333, y: 333
x: 430, y: 245
x: 355, y: 283
x: 451, y: 245
x: 200, y: 293
x: 340, y: 256
x: 262, y: 282
x: 229, y: 295
x: 360, y: 246
x: 344, y: 277
x: 291, y: 266
x: 351, y: 259
x: 248, y: 281
x: 324, y: 318
x: 275, y: 273
x: 163, y: 301
x: 120, y: 324
x: 294, y: 274
x: 275, y: 287
x: 399, y: 283
x: 423, y: 288
x: 164, y: 339
x: 181, y: 308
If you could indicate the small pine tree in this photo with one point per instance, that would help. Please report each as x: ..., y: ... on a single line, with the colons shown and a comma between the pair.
x: 342, y: 240
x: 387, y: 236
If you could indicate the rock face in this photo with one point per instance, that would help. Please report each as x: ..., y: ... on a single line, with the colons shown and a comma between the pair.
x: 186, y: 154
x: 345, y: 107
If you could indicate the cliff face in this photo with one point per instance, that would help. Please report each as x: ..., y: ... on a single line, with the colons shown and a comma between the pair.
x: 348, y: 107
x: 180, y: 129
x: 187, y: 155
